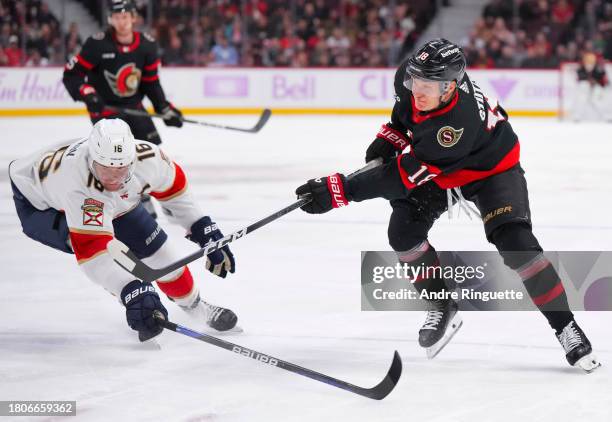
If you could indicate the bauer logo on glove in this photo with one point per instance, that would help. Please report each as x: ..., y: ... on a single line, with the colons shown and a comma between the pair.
x: 326, y: 193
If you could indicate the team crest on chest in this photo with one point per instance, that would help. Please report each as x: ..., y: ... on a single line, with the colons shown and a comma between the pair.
x: 93, y: 212
x: 449, y: 136
x: 126, y: 81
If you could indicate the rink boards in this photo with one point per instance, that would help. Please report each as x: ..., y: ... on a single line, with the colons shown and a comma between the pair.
x: 40, y: 92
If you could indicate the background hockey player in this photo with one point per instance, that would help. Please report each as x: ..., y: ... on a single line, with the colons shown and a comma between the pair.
x: 117, y: 68
x: 591, y: 89
x: 76, y: 196
x: 461, y: 146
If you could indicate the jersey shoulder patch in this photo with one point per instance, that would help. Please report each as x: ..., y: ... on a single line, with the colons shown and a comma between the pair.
x: 448, y: 136
x: 98, y: 36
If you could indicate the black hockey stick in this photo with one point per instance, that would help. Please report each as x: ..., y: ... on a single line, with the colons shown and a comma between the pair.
x: 263, y: 119
x: 122, y: 255
x: 378, y: 392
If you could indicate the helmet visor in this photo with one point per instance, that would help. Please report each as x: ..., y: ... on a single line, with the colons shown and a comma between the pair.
x: 422, y: 86
x: 112, y: 178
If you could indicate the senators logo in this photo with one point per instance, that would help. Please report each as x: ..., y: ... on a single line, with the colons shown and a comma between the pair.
x: 126, y: 81
x: 449, y: 136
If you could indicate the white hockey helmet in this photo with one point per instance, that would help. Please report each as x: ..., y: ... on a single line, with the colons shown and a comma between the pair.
x: 112, y: 144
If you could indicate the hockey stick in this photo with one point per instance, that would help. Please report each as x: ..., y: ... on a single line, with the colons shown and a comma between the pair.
x: 263, y: 119
x: 378, y: 392
x: 123, y: 256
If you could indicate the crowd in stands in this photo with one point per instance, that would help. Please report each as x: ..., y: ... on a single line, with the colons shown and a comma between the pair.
x: 544, y: 33
x: 320, y: 33
x: 30, y: 35
x: 296, y: 33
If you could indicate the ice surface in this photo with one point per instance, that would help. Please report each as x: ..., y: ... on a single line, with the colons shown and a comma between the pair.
x: 296, y: 292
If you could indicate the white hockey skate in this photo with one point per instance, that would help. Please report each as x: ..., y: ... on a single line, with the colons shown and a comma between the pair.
x: 441, y: 324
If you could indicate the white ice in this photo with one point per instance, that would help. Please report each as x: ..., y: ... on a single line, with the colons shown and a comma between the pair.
x: 297, y: 293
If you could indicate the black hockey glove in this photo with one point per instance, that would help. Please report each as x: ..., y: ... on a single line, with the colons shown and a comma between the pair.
x: 222, y: 260
x: 141, y: 301
x: 326, y: 193
x: 95, y: 103
x: 387, y: 145
x: 172, y: 116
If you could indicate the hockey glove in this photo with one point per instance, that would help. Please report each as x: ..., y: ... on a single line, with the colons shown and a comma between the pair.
x: 172, y: 116
x: 141, y: 301
x: 387, y: 145
x: 221, y: 261
x: 95, y: 103
x: 326, y: 193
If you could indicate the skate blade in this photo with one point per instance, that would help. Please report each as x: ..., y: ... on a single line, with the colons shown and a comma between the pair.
x: 150, y: 344
x: 453, y: 327
x: 588, y: 363
x: 236, y: 330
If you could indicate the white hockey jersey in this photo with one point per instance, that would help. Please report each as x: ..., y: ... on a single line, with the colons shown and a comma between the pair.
x: 59, y: 177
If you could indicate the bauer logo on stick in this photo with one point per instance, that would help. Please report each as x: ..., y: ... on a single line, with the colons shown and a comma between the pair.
x: 449, y: 136
x: 93, y: 213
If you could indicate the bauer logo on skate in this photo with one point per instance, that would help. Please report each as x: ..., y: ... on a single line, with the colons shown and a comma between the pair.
x: 480, y: 280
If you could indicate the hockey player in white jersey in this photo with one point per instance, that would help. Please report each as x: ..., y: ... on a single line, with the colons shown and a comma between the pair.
x: 77, y: 196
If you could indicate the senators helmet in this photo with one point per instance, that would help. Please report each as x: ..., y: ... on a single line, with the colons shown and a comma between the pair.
x: 438, y: 60
x: 118, y: 6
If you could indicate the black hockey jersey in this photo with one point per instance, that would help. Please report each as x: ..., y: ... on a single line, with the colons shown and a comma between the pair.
x: 465, y: 140
x: 596, y: 76
x: 120, y: 74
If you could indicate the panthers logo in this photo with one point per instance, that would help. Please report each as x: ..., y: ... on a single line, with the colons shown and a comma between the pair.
x: 126, y: 81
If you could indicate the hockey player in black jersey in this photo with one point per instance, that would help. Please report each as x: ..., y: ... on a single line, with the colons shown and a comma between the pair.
x: 462, y: 148
x: 117, y: 68
x: 591, y: 89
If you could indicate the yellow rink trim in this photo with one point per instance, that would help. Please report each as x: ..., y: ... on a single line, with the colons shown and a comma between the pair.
x: 49, y: 112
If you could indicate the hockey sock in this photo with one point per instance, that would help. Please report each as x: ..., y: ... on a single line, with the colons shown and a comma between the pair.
x: 179, y: 287
x: 546, y: 291
x: 424, y: 256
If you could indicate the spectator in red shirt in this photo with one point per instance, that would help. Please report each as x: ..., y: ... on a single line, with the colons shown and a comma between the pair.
x: 13, y: 53
x: 562, y: 12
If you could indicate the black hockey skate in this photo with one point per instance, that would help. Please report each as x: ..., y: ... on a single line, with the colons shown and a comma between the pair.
x: 578, y: 350
x: 216, y: 317
x: 441, y: 324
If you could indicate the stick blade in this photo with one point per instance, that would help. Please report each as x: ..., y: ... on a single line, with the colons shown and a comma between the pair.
x: 263, y: 119
x: 387, y: 385
x: 126, y: 259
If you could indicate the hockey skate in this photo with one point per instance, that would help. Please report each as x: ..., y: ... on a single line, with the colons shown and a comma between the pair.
x: 216, y: 317
x: 578, y: 350
x: 441, y: 324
